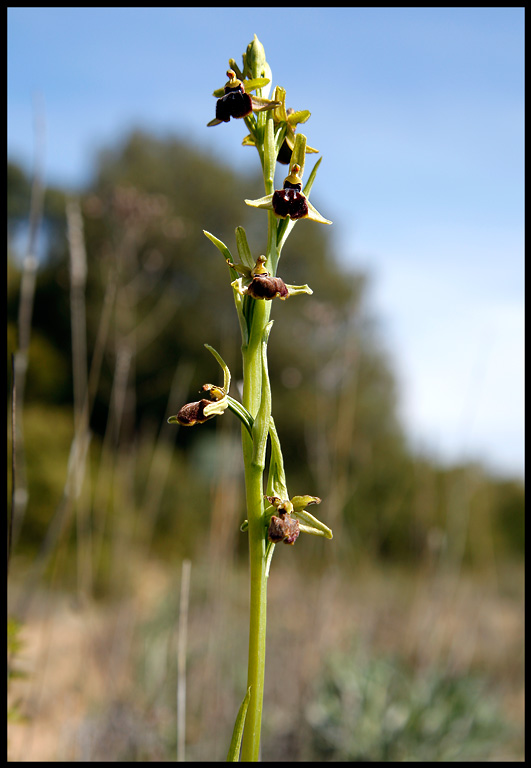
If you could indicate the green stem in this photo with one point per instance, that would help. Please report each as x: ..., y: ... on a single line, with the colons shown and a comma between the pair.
x: 252, y: 396
x: 256, y: 397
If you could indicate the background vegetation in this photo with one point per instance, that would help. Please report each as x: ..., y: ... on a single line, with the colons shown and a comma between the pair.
x: 401, y: 640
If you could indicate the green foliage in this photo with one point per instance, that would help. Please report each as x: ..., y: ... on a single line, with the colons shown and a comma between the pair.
x: 376, y: 710
x: 15, y: 645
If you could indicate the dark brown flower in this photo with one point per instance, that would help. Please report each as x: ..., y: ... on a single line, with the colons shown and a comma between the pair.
x: 283, y: 528
x: 193, y: 413
x: 267, y: 287
x: 290, y: 201
x: 236, y: 100
x: 235, y: 103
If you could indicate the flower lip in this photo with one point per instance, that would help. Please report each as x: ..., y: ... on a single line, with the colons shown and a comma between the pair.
x: 291, y: 202
x: 283, y: 528
x: 267, y: 287
x: 193, y: 413
x: 236, y: 103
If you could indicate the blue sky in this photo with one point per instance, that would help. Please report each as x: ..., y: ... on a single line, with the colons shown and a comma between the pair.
x: 419, y: 116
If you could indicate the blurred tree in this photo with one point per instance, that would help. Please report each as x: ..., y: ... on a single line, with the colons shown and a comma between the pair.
x: 157, y: 290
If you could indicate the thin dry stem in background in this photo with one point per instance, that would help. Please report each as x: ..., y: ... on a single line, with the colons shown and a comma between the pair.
x: 27, y: 294
x: 181, y: 660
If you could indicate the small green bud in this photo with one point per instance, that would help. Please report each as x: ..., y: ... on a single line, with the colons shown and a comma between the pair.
x: 255, y: 59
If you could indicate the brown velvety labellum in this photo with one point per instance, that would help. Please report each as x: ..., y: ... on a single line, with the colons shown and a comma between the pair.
x: 290, y: 202
x: 192, y: 413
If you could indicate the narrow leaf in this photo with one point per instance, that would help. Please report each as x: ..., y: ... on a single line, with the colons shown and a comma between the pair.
x: 220, y: 245
x: 236, y: 741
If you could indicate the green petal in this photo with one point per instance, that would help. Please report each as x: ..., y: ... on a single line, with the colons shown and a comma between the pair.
x: 299, y: 117
x: 235, y: 68
x: 301, y: 502
x: 239, y: 286
x: 216, y: 407
x: 295, y: 289
x: 257, y: 82
x: 262, y: 202
x: 259, y: 104
x: 224, y: 368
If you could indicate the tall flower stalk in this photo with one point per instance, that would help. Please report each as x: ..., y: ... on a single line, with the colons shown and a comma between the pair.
x: 272, y: 516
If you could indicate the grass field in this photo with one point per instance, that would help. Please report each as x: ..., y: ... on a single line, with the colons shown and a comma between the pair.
x: 386, y: 665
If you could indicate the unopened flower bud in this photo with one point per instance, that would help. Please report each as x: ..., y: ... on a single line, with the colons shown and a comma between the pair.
x: 255, y: 58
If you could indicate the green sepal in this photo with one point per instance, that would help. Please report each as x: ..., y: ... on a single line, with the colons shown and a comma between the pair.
x: 220, y: 245
x: 233, y: 755
x: 238, y: 300
x: 307, y: 522
x: 276, y: 481
x: 262, y: 202
x: 244, y: 251
x: 314, y: 215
